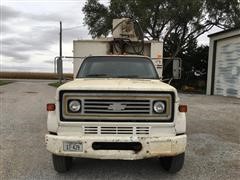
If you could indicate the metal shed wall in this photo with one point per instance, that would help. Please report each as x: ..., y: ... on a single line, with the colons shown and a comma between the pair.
x: 224, y: 64
x: 227, y: 73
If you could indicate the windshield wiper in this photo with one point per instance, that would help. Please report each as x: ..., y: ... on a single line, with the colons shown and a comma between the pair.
x: 97, y: 75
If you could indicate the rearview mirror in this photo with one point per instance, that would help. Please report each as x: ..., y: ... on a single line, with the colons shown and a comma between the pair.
x: 177, y: 68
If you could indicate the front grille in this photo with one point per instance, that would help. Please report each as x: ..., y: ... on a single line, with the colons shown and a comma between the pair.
x: 142, y: 130
x: 114, y: 106
x: 112, y: 130
x: 108, y: 106
x: 90, y: 130
x: 116, y: 130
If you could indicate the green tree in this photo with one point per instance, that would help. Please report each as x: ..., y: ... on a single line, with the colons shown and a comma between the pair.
x: 225, y: 13
x: 98, y: 18
x: 195, y: 68
x: 162, y: 20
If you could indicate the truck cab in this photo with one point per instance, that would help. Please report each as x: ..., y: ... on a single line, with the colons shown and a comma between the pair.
x: 117, y: 107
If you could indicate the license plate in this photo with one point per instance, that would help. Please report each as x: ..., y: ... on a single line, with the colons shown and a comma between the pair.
x: 73, y: 146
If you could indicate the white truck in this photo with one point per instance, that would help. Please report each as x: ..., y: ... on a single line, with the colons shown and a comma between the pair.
x: 117, y: 107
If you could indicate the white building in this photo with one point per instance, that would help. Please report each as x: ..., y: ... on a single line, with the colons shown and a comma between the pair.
x: 224, y: 63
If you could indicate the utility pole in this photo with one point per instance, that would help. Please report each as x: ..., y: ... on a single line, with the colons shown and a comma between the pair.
x: 59, y: 61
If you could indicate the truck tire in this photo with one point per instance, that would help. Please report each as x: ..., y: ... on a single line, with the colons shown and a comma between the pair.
x: 61, y: 163
x: 173, y: 164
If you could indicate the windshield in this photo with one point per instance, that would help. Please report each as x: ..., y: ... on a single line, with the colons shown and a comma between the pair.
x: 117, y: 67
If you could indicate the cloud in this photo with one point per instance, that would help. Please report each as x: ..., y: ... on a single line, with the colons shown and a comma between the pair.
x: 15, y: 56
x: 49, y: 61
x: 5, y: 28
x: 39, y: 39
x: 25, y: 34
x: 20, y: 47
x: 30, y: 34
x: 8, y: 13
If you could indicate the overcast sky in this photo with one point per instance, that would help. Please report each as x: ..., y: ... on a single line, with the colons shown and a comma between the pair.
x: 30, y: 33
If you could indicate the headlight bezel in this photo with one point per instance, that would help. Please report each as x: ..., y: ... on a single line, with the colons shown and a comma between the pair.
x: 72, y: 101
x: 164, y: 103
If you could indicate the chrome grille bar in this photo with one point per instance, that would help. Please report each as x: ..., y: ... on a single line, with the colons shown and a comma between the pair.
x: 115, y: 106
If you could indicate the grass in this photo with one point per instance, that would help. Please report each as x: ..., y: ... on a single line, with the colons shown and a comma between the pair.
x: 4, y: 82
x: 32, y: 75
x: 55, y: 84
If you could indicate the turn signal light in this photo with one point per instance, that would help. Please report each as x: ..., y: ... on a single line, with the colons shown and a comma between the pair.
x: 182, y: 108
x: 50, y: 107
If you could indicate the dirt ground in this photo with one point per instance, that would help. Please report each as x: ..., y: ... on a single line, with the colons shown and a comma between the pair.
x: 213, y: 150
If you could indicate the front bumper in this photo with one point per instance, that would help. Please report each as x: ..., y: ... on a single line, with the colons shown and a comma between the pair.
x: 151, y: 146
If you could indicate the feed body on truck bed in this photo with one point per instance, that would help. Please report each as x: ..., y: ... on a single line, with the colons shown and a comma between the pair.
x: 117, y: 108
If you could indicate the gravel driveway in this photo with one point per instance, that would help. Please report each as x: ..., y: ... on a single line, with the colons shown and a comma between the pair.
x: 213, y: 150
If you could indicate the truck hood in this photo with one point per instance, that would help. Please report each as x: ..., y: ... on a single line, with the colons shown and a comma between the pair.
x: 114, y: 84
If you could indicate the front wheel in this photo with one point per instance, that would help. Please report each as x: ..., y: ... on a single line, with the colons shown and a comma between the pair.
x: 61, y: 163
x: 173, y: 164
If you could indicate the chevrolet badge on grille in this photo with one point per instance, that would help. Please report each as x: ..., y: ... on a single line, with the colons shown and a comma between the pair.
x: 117, y: 107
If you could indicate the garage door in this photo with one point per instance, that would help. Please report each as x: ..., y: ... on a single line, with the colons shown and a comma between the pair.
x: 227, y: 69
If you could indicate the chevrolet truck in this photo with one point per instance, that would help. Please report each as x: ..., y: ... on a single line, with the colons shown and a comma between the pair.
x: 117, y: 107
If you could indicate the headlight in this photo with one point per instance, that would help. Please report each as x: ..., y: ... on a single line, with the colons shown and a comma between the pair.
x: 159, y: 107
x: 74, y: 105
